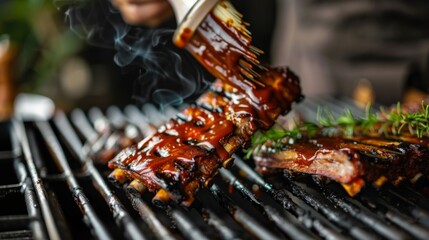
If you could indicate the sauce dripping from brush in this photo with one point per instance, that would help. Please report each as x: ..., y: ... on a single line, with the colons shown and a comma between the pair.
x: 219, y: 47
x: 226, y: 52
x: 190, y: 150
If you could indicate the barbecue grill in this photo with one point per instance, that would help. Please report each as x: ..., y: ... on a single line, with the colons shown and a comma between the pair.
x: 50, y: 189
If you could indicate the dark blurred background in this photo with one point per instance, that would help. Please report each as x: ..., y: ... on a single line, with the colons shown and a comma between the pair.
x: 364, y: 50
x: 344, y: 47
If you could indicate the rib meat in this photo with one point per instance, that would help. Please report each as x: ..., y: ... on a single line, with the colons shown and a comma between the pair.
x: 351, y: 161
x: 184, y: 155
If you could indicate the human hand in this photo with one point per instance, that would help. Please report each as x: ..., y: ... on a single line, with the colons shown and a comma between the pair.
x: 149, y: 13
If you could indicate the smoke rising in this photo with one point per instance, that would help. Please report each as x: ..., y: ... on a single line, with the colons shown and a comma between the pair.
x: 167, y: 75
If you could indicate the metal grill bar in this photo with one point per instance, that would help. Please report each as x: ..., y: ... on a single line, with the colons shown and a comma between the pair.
x: 388, y: 212
x: 40, y: 189
x: 209, y: 217
x: 334, y: 215
x: 36, y: 223
x: 22, y: 234
x: 101, y: 124
x: 182, y: 221
x: 284, y: 200
x: 116, y: 118
x: 154, y: 116
x: 412, y: 209
x: 185, y: 225
x: 370, y: 219
x: 148, y: 216
x: 119, y: 213
x: 392, y: 214
x: 413, y: 196
x: 134, y: 115
x: 61, y: 225
x: 76, y: 190
x: 79, y: 119
x: 19, y: 221
x: 283, y: 224
x: 272, y: 214
x: 213, y: 220
x: 240, y: 216
x: 279, y: 220
x: 367, y: 219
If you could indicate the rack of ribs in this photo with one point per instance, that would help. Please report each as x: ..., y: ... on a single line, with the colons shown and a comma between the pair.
x: 185, y: 154
x: 351, y: 161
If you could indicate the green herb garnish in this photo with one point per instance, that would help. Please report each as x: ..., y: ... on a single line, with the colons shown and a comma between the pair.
x: 393, y: 122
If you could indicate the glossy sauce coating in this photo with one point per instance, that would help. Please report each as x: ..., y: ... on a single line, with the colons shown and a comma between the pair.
x: 192, y: 147
x: 186, y: 152
x: 219, y: 47
x: 331, y: 157
x: 351, y: 161
x: 179, y: 146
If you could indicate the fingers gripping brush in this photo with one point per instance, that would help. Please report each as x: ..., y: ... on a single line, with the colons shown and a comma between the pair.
x: 214, y: 32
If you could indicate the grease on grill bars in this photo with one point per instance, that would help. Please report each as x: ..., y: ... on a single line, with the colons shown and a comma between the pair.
x: 72, y: 198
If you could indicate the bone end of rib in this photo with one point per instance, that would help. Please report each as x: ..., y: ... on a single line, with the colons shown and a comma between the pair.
x: 118, y: 176
x: 137, y: 186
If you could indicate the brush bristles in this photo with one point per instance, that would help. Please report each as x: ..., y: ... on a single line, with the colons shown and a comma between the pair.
x: 247, y: 68
x: 226, y: 12
x: 249, y: 64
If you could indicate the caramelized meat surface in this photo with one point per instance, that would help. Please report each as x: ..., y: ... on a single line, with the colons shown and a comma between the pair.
x: 350, y: 161
x: 184, y: 155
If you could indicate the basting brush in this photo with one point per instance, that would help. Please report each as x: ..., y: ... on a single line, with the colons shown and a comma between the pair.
x: 215, y: 33
x: 191, y: 13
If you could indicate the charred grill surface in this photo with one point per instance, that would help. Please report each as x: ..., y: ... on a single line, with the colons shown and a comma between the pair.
x: 184, y: 155
x: 351, y: 161
x: 240, y: 204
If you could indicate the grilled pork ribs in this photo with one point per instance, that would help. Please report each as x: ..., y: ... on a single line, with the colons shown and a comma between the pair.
x: 351, y: 161
x: 185, y: 153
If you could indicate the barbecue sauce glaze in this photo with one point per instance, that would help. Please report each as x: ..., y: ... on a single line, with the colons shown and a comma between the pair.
x: 220, y: 48
x: 351, y: 160
x: 186, y: 152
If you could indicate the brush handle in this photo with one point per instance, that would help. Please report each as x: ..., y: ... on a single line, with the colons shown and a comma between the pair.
x: 181, y: 8
x: 189, y: 14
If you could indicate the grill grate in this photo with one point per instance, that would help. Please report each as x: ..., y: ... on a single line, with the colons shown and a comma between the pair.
x: 20, y: 215
x: 50, y: 189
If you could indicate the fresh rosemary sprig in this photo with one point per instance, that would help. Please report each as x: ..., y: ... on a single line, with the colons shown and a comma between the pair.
x: 392, y: 122
x: 277, y: 135
x: 417, y: 123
